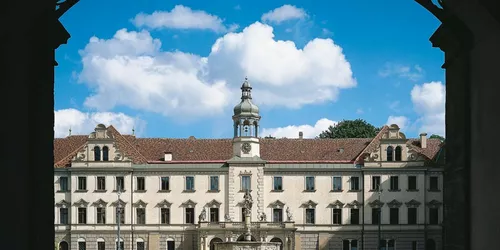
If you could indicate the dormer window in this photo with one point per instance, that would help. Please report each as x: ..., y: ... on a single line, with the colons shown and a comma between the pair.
x: 389, y: 153
x: 97, y: 153
x: 397, y: 153
x: 105, y: 153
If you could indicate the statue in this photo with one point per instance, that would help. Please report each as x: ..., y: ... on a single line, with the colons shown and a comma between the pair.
x: 248, y: 202
x: 289, y: 215
x: 227, y: 217
x: 203, y: 215
x: 262, y: 217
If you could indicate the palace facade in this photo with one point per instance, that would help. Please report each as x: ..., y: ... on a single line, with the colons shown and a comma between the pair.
x: 185, y: 194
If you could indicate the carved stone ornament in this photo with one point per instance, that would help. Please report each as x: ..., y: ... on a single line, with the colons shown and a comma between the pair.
x: 100, y: 203
x: 262, y: 217
x: 277, y: 204
x: 164, y: 204
x: 227, y: 218
x: 412, y: 203
x: 203, y: 215
x: 289, y: 215
x: 214, y: 203
x: 81, y: 203
x: 394, y: 204
x: 246, y: 147
x: 120, y: 201
x: 140, y: 204
x: 376, y: 204
x: 63, y: 204
x: 434, y: 204
x: 309, y: 204
x: 245, y: 172
x: 337, y: 204
x: 189, y: 203
x: 354, y: 204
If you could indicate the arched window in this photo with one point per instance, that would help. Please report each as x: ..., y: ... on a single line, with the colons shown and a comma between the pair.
x: 213, y: 241
x: 63, y: 245
x: 170, y: 244
x: 430, y: 244
x: 97, y: 153
x: 121, y: 246
x: 242, y: 238
x: 397, y: 152
x: 275, y: 239
x: 101, y: 244
x: 105, y: 153
x: 389, y: 153
x: 140, y: 244
x: 82, y: 245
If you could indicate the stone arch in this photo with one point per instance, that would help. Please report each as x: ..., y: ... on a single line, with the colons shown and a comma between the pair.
x: 278, y: 240
x: 105, y: 153
x: 170, y: 244
x: 242, y: 238
x: 63, y: 245
x: 213, y: 241
x: 97, y: 153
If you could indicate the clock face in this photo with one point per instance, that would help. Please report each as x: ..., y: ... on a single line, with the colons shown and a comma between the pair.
x: 246, y: 147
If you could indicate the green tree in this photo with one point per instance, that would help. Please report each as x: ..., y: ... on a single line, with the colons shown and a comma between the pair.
x: 434, y: 136
x: 358, y: 128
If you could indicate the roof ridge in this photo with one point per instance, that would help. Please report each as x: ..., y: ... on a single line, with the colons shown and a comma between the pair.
x: 374, y: 140
x: 125, y: 139
x: 70, y: 154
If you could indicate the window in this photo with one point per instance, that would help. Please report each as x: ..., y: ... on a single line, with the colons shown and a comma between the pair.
x: 82, y: 215
x: 141, y: 215
x: 121, y: 212
x: 170, y: 244
x: 63, y: 183
x: 354, y: 216
x: 412, y: 183
x: 105, y: 153
x: 387, y: 244
x: 101, y: 183
x: 337, y: 216
x: 97, y: 153
x: 394, y: 183
x: 101, y: 245
x: 245, y: 183
x: 82, y: 183
x: 397, y: 153
x: 354, y: 183
x: 165, y: 184
x: 433, y: 183
x: 101, y: 215
x: 120, y: 183
x: 412, y: 215
x: 189, y: 215
x: 310, y: 183
x: 189, y: 183
x: 337, y: 183
x: 394, y: 216
x: 63, y: 215
x: 310, y: 216
x: 433, y: 216
x: 389, y: 153
x: 278, y: 183
x: 375, y: 183
x: 122, y: 245
x: 140, y: 245
x: 413, y: 245
x: 376, y: 215
x: 141, y: 183
x: 165, y: 215
x: 82, y: 245
x: 214, y: 183
x: 349, y: 245
x: 277, y: 215
x: 214, y: 214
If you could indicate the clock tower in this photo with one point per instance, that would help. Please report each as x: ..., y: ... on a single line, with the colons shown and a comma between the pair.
x: 246, y: 125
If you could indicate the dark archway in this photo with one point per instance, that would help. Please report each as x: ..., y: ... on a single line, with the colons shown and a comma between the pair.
x: 430, y: 244
x: 389, y: 153
x: 242, y: 238
x: 63, y: 245
x: 213, y: 241
x: 105, y: 153
x: 397, y: 153
x: 276, y: 239
x: 97, y: 153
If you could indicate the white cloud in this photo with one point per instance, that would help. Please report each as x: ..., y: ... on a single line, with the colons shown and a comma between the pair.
x: 359, y: 111
x: 394, y: 106
x: 414, y: 73
x: 237, y: 7
x: 401, y: 121
x: 131, y: 70
x: 84, y: 123
x: 283, y: 13
x: 181, y: 17
x: 429, y: 103
x: 292, y: 131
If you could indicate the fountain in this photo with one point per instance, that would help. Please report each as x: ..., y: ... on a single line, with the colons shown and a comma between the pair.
x: 247, y: 242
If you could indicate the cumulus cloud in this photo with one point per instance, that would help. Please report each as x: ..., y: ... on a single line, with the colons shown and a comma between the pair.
x: 292, y: 131
x: 429, y: 103
x: 402, y: 121
x: 283, y: 13
x: 182, y: 17
x: 131, y: 70
x: 414, y: 73
x: 84, y: 123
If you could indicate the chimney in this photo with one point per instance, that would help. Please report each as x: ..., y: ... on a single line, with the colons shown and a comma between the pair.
x: 301, y: 135
x: 423, y: 140
x: 168, y: 156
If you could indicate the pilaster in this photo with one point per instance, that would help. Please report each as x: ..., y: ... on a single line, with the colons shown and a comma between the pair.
x: 260, y: 190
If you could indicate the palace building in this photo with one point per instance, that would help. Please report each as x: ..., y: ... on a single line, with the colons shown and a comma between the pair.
x: 184, y: 194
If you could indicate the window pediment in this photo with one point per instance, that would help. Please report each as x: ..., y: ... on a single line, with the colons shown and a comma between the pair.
x: 376, y: 204
x: 100, y: 203
x: 213, y: 203
x: 394, y: 204
x: 63, y: 204
x: 309, y: 204
x: 140, y: 204
x: 277, y: 204
x: 354, y: 204
x: 336, y: 204
x: 164, y: 204
x: 412, y: 203
x: 81, y: 203
x: 189, y: 203
x: 120, y: 201
x: 434, y: 204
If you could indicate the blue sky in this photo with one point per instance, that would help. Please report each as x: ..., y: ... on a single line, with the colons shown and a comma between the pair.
x: 174, y: 68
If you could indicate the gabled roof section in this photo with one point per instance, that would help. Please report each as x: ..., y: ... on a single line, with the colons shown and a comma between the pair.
x: 336, y: 204
x: 164, y: 203
x: 140, y: 203
x: 309, y: 204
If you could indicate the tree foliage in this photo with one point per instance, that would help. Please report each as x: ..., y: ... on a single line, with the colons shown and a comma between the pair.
x: 434, y: 136
x: 358, y: 128
x: 270, y: 137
